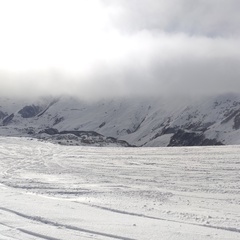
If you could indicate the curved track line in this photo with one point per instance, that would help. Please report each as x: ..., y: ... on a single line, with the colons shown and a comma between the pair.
x: 45, y: 221
x: 231, y: 229
x: 37, y: 234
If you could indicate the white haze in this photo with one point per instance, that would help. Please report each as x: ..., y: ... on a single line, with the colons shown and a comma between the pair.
x: 93, y: 49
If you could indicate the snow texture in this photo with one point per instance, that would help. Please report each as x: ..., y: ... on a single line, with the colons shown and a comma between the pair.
x: 56, y: 192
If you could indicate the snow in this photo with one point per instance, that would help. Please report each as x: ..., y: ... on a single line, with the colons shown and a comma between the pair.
x: 59, y: 192
x: 131, y: 120
x: 141, y: 122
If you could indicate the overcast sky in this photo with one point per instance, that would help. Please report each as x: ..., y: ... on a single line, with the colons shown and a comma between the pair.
x: 96, y: 48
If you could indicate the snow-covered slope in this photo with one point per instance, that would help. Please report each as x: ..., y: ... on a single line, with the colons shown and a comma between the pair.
x: 55, y: 192
x: 140, y: 122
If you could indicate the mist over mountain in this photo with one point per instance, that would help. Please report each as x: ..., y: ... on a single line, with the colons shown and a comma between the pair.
x: 104, y: 49
x: 151, y: 73
x: 151, y: 122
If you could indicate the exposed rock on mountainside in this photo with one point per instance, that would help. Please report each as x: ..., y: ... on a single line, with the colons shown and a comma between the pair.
x: 140, y: 122
x: 7, y: 119
x: 237, y: 121
x: 30, y: 111
x: 183, y: 138
x: 80, y: 138
x: 2, y: 115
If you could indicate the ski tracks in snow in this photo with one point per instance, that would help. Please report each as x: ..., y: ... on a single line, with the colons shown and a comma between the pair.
x: 196, y: 188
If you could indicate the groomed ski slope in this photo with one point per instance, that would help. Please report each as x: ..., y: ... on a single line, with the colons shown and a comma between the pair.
x: 54, y: 192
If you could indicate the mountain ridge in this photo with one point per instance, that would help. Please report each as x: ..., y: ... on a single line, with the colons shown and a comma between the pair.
x: 136, y: 121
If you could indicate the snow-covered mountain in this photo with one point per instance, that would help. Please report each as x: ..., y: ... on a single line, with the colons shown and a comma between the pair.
x: 124, y: 122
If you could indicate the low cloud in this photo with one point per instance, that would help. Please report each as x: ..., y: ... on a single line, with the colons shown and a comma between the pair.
x: 199, y: 17
x: 144, y: 48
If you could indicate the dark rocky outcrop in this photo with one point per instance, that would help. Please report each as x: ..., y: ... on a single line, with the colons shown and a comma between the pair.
x: 44, y: 110
x: 169, y: 130
x: 8, y: 119
x: 81, y: 133
x: 165, y: 130
x: 49, y: 131
x: 102, y: 124
x: 84, y: 137
x: 2, y: 115
x: 58, y: 120
x: 230, y: 116
x: 183, y: 138
x: 136, y: 127
x: 236, y: 122
x: 198, y: 126
x: 30, y: 111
